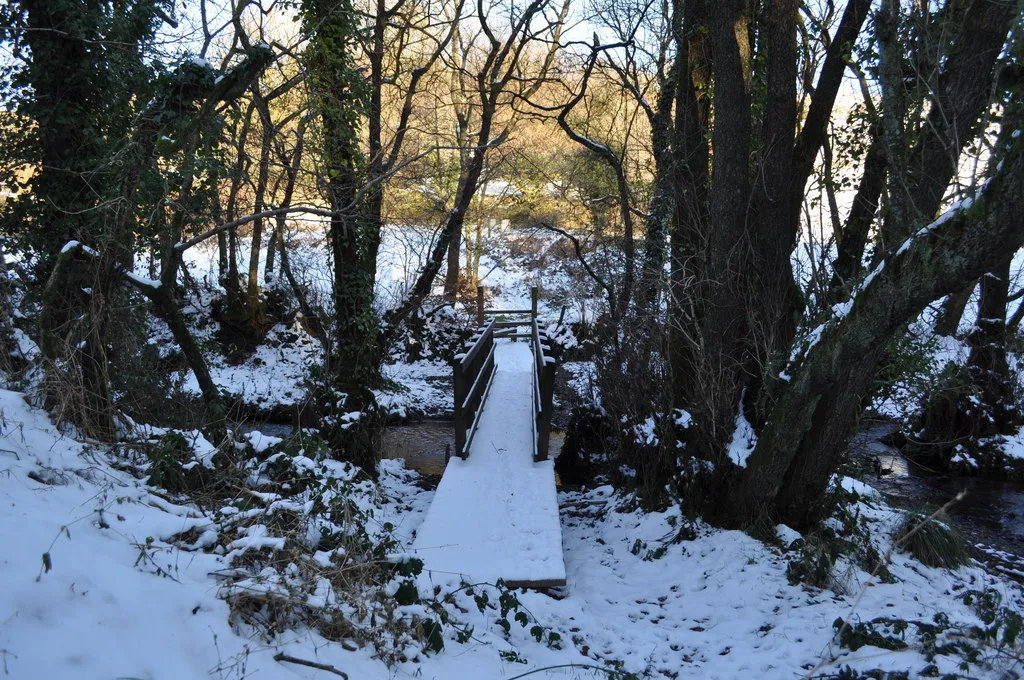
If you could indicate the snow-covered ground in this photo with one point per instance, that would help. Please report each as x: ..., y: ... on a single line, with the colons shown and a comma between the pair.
x: 99, y: 583
x: 106, y: 577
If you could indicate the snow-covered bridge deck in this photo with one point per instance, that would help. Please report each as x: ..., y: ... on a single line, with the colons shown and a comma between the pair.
x: 495, y: 514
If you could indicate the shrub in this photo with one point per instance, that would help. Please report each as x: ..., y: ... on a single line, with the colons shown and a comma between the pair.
x: 587, y: 439
x: 171, y: 465
x: 931, y: 542
x: 816, y: 560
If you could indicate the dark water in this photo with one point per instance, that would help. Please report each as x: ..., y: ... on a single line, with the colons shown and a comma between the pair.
x: 423, y: 444
x: 991, y: 513
x: 269, y: 429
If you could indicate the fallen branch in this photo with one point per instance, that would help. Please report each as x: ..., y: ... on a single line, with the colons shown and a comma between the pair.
x: 281, y: 656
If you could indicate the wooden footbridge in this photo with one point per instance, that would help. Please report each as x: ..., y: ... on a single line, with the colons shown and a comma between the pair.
x: 495, y: 513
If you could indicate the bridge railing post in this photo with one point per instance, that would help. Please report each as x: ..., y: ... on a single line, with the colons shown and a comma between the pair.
x: 547, y: 384
x: 534, y: 299
x: 459, y: 378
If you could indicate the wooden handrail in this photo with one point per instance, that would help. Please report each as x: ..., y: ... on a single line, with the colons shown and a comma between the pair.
x: 473, y: 372
x: 470, y: 355
x: 482, y: 313
x: 496, y: 312
x: 477, y: 382
x: 543, y: 392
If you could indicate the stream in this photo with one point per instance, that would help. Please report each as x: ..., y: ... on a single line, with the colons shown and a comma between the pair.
x: 422, y: 444
x: 991, y: 514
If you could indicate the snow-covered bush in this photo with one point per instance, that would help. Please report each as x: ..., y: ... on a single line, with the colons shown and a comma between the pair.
x: 438, y: 336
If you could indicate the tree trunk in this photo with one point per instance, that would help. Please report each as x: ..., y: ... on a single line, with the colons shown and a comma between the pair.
x: 811, y: 422
x: 314, y: 324
x: 724, y: 330
x: 222, y: 255
x: 775, y: 299
x: 64, y: 75
x: 254, y: 321
x: 689, y: 219
x: 451, y: 278
x: 657, y: 224
x: 77, y: 387
x: 167, y: 308
x: 960, y: 96
x: 478, y: 249
x: 269, y: 264
x: 952, y: 310
x: 980, y: 401
x: 987, y: 363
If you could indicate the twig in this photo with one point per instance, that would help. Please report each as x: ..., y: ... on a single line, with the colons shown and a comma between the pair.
x: 579, y: 255
x: 612, y: 672
x: 281, y: 656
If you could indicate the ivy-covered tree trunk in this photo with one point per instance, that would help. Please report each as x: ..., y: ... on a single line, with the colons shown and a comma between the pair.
x: 67, y: 111
x: 67, y: 101
x: 342, y: 101
x: 85, y: 69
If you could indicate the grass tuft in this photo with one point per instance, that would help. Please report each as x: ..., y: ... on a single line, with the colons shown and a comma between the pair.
x: 932, y: 542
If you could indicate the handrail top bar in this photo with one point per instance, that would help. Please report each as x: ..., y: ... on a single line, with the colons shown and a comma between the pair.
x: 475, y: 349
x: 493, y: 312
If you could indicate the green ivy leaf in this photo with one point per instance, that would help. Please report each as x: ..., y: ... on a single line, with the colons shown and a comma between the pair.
x: 407, y: 593
x: 434, y: 639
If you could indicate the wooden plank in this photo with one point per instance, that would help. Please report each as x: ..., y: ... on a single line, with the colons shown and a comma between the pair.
x: 495, y: 312
x: 476, y: 348
x: 537, y: 585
